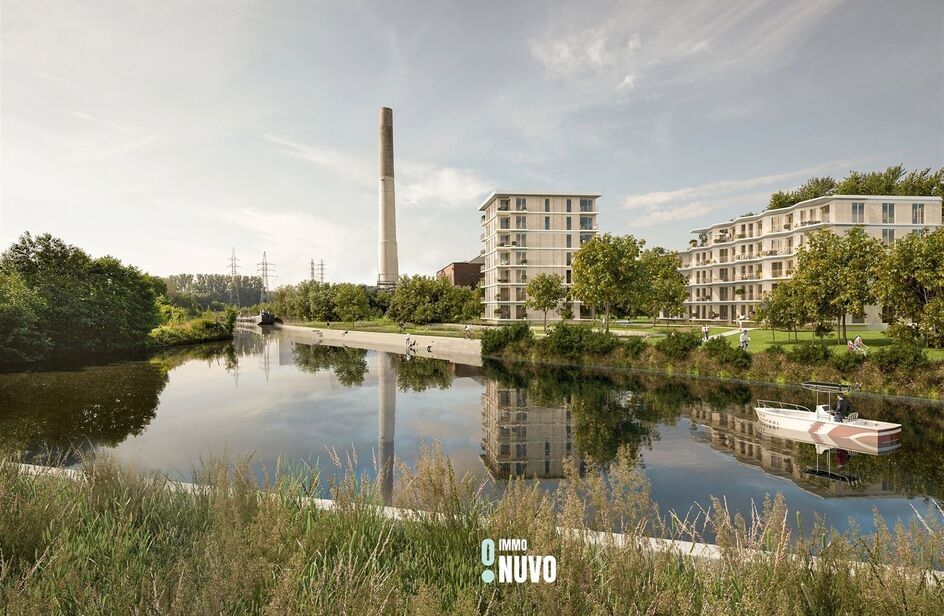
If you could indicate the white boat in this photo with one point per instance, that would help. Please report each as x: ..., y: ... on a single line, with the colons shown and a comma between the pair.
x: 853, y: 433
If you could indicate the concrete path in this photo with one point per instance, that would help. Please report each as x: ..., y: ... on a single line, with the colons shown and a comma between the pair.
x: 457, y: 350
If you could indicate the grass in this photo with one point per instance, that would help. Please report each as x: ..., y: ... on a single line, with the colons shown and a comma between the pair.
x: 385, y: 326
x: 120, y: 542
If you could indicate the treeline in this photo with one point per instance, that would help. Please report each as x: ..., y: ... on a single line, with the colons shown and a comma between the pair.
x: 56, y: 300
x: 213, y: 291
x: 893, y: 181
x: 416, y: 299
x: 839, y: 275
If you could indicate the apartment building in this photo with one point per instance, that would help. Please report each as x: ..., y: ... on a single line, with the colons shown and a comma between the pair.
x: 528, y: 233
x: 521, y: 439
x: 733, y: 264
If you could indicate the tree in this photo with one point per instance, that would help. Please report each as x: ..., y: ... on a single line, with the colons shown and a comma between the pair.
x: 21, y: 336
x: 665, y: 284
x: 546, y: 292
x: 860, y: 259
x: 424, y: 299
x: 785, y: 307
x: 814, y: 187
x: 351, y: 302
x: 607, y: 273
x: 911, y: 283
x: 86, y: 304
x: 819, y: 273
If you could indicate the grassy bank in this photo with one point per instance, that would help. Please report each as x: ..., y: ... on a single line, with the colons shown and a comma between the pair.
x: 386, y: 326
x: 888, y: 369
x: 206, y: 328
x: 117, y: 542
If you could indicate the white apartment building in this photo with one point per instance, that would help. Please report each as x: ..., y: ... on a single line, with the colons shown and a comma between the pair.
x: 733, y: 264
x: 529, y: 233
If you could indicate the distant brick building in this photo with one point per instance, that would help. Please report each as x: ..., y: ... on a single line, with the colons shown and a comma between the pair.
x: 463, y: 273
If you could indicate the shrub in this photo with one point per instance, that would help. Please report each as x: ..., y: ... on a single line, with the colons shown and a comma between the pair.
x: 574, y: 341
x: 846, y: 362
x: 810, y: 353
x: 721, y: 350
x: 677, y: 345
x: 497, y: 339
x: 899, y: 357
x: 904, y: 333
x: 634, y: 346
x: 776, y: 349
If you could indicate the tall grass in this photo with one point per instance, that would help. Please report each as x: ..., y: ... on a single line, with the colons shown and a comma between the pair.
x: 118, y: 541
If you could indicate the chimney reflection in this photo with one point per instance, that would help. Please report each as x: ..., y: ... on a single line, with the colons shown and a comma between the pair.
x: 386, y: 415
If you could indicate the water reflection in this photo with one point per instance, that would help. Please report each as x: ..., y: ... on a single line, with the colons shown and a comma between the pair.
x: 278, y: 397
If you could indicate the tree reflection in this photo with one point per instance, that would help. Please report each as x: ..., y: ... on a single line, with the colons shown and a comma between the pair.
x: 349, y: 365
x: 421, y: 373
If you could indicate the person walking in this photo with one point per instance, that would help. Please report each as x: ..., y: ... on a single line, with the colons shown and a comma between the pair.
x: 704, y: 332
x: 745, y: 339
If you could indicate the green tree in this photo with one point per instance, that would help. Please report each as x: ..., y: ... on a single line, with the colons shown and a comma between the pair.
x: 665, y: 284
x: 819, y: 273
x: 21, y: 308
x: 546, y: 292
x: 425, y: 299
x: 608, y: 273
x: 860, y: 260
x: 911, y: 283
x: 87, y: 305
x: 785, y: 307
x: 351, y: 302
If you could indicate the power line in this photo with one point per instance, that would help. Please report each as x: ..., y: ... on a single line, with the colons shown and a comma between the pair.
x: 233, y: 287
x: 317, y: 271
x: 265, y: 271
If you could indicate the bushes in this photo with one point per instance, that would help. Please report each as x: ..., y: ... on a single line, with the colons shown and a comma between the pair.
x: 574, y: 341
x: 677, y: 345
x: 721, y: 350
x: 906, y: 357
x: 846, y: 362
x: 634, y: 346
x: 810, y: 353
x: 497, y: 339
x: 190, y: 332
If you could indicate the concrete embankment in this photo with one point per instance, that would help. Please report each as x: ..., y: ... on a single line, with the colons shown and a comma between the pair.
x: 457, y: 350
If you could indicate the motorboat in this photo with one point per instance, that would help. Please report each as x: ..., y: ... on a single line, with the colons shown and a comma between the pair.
x: 853, y: 432
x: 824, y: 441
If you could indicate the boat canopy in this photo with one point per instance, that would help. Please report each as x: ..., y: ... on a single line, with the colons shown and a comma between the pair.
x: 830, y: 388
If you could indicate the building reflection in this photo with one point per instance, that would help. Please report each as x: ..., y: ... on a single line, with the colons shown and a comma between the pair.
x: 738, y: 433
x: 386, y: 420
x: 520, y: 439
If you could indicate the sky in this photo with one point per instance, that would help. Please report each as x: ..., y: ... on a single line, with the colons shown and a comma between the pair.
x: 167, y: 133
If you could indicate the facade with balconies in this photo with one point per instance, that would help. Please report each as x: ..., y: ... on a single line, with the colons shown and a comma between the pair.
x: 528, y: 233
x: 732, y: 265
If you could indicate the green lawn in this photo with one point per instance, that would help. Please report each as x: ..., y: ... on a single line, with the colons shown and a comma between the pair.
x: 761, y: 339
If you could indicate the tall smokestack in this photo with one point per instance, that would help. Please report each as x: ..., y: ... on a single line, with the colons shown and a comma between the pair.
x: 388, y: 270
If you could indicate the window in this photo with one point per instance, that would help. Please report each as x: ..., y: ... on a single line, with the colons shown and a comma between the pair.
x: 888, y: 236
x: 547, y: 223
x: 567, y: 279
x: 568, y: 205
x: 569, y: 240
x: 503, y: 205
x: 917, y: 213
x: 858, y: 213
x: 547, y: 205
x: 586, y: 205
x: 521, y: 204
x: 888, y: 213
x: 521, y: 222
x: 569, y: 226
x: 586, y: 223
x: 585, y: 237
x: 569, y: 257
x: 858, y: 319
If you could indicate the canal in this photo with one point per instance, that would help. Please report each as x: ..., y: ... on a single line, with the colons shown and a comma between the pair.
x: 278, y: 399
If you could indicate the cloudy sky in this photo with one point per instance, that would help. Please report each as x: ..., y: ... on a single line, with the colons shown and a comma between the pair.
x: 165, y: 133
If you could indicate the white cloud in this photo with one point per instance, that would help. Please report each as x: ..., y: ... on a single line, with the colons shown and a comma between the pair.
x: 427, y: 185
x: 657, y: 207
x: 347, y: 167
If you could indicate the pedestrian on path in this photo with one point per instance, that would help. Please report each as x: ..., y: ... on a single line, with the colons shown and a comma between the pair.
x: 745, y: 339
x: 704, y: 332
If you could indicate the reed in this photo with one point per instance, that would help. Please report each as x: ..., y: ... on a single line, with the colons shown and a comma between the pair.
x: 121, y: 541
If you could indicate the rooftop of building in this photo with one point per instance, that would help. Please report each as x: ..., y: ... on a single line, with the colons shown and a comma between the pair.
x: 525, y: 193
x: 813, y: 202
